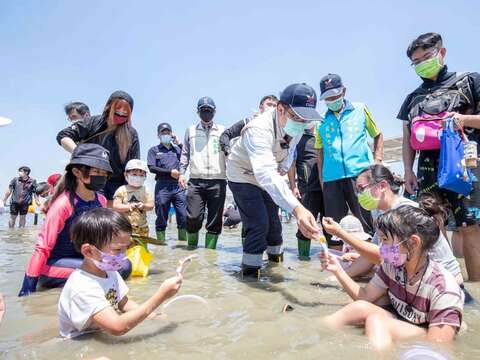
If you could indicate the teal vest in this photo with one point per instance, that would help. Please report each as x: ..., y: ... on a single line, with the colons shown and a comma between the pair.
x: 345, y: 147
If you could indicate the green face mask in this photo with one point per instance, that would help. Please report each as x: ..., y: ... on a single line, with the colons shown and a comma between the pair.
x: 428, y: 69
x: 335, y: 105
x: 367, y: 200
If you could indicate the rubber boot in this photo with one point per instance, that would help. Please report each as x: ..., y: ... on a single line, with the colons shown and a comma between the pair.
x: 276, y: 258
x: 211, y: 241
x: 250, y: 272
x: 304, y: 249
x: 192, y: 240
x: 161, y: 237
x: 182, y: 235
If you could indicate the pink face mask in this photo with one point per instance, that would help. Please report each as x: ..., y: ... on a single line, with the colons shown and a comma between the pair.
x: 111, y: 262
x: 391, y: 254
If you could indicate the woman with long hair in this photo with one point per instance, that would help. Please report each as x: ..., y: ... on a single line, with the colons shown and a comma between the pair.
x: 112, y: 130
x: 55, y: 256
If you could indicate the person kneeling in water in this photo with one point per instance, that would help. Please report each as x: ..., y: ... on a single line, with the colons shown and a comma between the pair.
x: 55, y: 257
x: 95, y: 295
x: 425, y: 298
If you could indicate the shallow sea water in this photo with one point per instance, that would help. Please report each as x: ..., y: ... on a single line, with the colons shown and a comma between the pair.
x: 243, y: 320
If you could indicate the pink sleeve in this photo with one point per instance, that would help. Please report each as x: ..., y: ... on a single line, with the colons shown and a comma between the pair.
x: 55, y: 220
x: 102, y: 199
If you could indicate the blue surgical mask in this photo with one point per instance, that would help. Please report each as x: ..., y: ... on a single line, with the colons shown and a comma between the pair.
x: 165, y: 139
x: 335, y: 105
x: 294, y: 128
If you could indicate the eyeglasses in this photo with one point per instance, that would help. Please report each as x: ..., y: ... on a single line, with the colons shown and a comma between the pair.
x: 429, y: 55
x: 361, y: 188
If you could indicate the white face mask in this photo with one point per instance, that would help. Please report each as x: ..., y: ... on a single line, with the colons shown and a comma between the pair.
x: 268, y: 108
x: 136, y: 181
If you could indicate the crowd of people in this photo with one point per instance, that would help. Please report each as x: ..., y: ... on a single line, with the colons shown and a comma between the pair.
x: 373, y: 230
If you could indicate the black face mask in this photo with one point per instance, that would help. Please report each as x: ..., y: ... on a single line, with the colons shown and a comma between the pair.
x: 206, y: 116
x: 97, y: 182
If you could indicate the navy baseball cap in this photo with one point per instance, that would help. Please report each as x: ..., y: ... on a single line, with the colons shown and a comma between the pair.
x: 206, y: 102
x: 92, y: 155
x: 302, y: 99
x: 330, y: 85
x: 164, y: 126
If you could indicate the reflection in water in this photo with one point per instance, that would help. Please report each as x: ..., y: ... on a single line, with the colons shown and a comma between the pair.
x: 242, y: 319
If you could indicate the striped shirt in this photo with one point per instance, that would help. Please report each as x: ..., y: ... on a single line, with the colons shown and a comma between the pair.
x: 438, y: 301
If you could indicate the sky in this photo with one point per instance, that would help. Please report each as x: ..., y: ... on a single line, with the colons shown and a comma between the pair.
x: 169, y: 54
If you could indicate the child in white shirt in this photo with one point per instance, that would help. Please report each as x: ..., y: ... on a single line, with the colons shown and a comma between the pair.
x: 95, y: 295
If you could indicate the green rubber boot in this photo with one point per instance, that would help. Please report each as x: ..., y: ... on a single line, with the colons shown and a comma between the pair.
x: 211, y: 241
x: 182, y: 235
x: 192, y: 240
x: 304, y: 249
x: 161, y: 237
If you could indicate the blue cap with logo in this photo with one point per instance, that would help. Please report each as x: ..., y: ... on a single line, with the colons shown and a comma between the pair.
x: 206, y: 102
x: 302, y: 99
x: 330, y: 85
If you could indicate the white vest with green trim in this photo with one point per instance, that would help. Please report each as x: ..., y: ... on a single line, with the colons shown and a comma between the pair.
x: 207, y: 161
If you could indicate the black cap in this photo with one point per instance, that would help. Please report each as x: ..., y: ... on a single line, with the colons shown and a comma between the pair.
x: 163, y: 126
x: 330, y: 85
x: 206, y: 102
x: 92, y: 155
x: 119, y: 94
x: 302, y: 99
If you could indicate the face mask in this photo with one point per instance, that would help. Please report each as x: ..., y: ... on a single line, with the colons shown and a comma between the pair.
x: 111, y: 262
x: 119, y: 119
x: 136, y: 181
x: 294, y: 128
x: 391, y: 254
x: 97, y: 182
x: 428, y: 69
x: 335, y: 105
x: 206, y: 116
x: 367, y: 200
x: 165, y: 139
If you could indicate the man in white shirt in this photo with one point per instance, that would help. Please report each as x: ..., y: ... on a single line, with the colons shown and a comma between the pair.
x: 254, y: 170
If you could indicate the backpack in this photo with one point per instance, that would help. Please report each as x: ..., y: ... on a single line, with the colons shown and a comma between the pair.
x: 430, y: 108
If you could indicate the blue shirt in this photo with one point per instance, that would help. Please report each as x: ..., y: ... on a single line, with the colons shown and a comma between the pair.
x: 64, y: 247
x: 162, y: 160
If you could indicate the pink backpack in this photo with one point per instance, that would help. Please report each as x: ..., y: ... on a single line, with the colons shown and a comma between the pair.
x: 425, y: 131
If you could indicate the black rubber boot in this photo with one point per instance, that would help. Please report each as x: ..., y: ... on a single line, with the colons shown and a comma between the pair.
x: 250, y: 272
x: 276, y: 258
